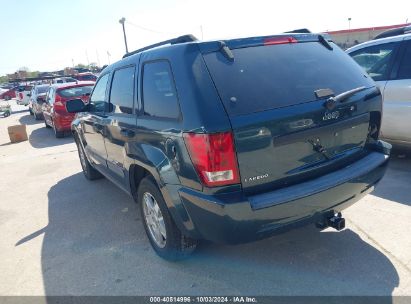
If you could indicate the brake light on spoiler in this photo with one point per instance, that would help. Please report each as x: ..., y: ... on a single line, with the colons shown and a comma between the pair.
x: 280, y: 40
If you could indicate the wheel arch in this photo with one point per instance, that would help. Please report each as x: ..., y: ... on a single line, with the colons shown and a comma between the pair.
x: 157, y: 165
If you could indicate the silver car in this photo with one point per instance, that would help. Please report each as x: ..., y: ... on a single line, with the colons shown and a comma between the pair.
x: 388, y: 62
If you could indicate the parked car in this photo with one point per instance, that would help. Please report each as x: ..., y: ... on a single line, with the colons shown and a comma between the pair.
x: 87, y: 76
x: 236, y: 140
x: 394, y: 32
x: 388, y: 62
x: 8, y: 94
x: 37, y: 99
x: 63, y: 80
x: 54, y: 109
x: 22, y: 94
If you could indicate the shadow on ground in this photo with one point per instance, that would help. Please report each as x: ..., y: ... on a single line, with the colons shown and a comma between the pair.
x: 29, y: 120
x: 20, y: 111
x: 397, y: 178
x: 95, y: 244
x: 44, y: 138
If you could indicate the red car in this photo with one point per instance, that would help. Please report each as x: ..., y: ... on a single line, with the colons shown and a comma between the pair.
x: 54, y: 109
x: 9, y: 94
x: 87, y: 76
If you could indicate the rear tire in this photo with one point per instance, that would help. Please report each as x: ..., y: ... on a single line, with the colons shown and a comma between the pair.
x: 30, y: 111
x: 7, y: 98
x: 36, y: 116
x: 164, y: 236
x: 89, y: 172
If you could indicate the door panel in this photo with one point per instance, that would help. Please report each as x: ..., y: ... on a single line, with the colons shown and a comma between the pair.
x: 94, y: 121
x: 396, y: 122
x: 93, y: 129
x: 120, y: 132
x: 121, y: 127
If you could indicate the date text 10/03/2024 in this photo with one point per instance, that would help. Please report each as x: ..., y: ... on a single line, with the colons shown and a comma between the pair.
x: 203, y: 299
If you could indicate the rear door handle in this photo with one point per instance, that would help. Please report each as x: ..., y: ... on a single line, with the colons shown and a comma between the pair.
x: 127, y: 133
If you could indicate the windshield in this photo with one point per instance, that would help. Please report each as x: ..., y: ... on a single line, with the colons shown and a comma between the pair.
x: 268, y: 77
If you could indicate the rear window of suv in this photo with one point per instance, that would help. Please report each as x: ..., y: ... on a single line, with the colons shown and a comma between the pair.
x: 268, y: 77
x: 75, y: 92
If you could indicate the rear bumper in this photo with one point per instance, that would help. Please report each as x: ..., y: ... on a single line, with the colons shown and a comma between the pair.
x: 63, y: 122
x: 236, y: 218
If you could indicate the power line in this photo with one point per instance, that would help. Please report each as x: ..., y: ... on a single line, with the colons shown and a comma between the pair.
x: 150, y: 30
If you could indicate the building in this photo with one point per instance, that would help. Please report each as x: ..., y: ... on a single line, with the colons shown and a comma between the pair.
x: 349, y: 38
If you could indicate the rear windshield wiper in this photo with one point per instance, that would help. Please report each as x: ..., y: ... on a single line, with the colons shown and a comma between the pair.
x: 345, y: 95
x: 333, y: 100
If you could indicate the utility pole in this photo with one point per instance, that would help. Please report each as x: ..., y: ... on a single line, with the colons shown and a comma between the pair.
x: 121, y: 21
x: 98, y: 58
x: 349, y: 28
x: 88, y: 61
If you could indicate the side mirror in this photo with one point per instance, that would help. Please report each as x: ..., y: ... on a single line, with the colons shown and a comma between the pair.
x: 75, y: 106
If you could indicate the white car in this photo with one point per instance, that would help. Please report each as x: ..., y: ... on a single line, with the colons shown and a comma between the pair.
x: 388, y: 62
x: 23, y: 94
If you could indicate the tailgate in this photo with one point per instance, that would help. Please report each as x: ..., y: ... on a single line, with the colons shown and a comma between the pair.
x: 284, y: 131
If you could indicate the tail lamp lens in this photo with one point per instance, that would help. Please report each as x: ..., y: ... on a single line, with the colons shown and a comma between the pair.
x: 214, y: 158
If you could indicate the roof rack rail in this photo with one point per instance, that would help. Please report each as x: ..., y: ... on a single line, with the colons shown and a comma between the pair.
x: 181, y: 39
x: 394, y: 32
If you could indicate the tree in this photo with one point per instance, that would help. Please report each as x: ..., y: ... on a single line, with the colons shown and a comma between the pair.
x: 80, y: 65
x: 3, y: 79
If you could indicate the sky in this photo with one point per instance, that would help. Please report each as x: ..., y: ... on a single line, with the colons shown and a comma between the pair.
x: 49, y: 35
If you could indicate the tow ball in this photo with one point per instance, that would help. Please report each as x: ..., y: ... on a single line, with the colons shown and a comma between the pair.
x: 336, y: 221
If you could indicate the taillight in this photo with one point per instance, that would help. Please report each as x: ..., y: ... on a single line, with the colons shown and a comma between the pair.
x: 279, y: 40
x: 21, y: 96
x: 59, y: 105
x: 214, y: 158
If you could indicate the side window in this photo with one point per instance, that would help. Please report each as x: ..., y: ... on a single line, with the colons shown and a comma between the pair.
x: 159, y: 91
x: 50, y: 97
x: 404, y: 71
x: 98, y: 100
x: 375, y: 59
x: 122, y: 91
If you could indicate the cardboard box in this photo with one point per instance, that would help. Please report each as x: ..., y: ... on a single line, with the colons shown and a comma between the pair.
x: 17, y: 133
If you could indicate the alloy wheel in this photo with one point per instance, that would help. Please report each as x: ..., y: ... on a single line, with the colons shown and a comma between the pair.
x: 154, y: 220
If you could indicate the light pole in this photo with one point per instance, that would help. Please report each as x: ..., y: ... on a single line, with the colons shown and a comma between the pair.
x: 122, y: 20
x: 349, y: 28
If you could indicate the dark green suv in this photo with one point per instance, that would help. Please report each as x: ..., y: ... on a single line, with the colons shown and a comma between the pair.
x: 235, y: 140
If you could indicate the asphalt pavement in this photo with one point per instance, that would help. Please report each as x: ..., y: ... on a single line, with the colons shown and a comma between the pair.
x: 61, y: 234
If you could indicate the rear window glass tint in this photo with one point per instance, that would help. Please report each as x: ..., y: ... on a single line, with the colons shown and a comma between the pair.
x: 87, y: 77
x: 75, y: 92
x: 159, y: 91
x: 405, y: 66
x: 268, y: 77
x: 41, y: 90
x: 122, y: 91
